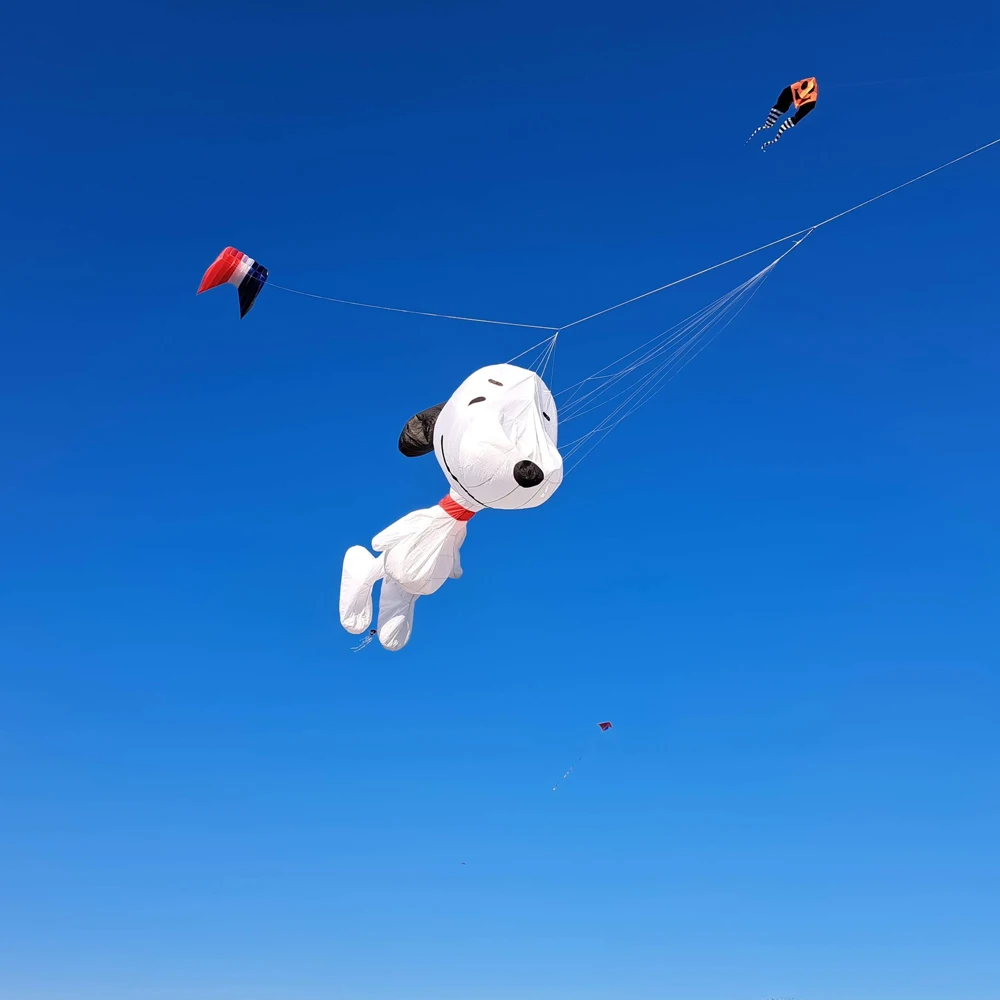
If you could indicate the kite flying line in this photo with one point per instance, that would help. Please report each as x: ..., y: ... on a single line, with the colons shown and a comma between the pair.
x: 791, y: 236
x: 556, y: 330
x: 412, y: 312
x: 660, y: 359
x: 972, y: 74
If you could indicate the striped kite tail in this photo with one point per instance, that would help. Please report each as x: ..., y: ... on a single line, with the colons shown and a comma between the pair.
x: 771, y: 119
x: 785, y: 126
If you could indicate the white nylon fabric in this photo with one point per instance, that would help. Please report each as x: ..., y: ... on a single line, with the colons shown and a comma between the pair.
x: 241, y: 271
x: 421, y: 549
x: 498, y: 419
x: 499, y: 416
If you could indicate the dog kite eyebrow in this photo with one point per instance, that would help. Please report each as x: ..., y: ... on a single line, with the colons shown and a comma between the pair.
x: 547, y: 417
x: 478, y: 399
x: 493, y: 381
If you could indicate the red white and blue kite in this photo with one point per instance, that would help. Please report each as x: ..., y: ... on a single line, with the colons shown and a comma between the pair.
x: 232, y: 267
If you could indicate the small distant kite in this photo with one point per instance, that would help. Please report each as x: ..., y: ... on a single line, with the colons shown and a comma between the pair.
x: 232, y: 267
x: 803, y: 94
x: 605, y: 726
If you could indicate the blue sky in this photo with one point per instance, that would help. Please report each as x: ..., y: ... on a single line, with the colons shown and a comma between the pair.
x: 779, y: 579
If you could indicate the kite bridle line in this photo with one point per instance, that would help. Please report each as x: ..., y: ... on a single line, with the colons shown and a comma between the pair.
x: 664, y: 371
x: 692, y: 337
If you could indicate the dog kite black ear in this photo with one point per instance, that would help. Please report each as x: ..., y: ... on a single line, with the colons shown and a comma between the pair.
x: 418, y: 435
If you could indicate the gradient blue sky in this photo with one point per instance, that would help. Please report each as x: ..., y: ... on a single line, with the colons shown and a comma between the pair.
x: 779, y: 580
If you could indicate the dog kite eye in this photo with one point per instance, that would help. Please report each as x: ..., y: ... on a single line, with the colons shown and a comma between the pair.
x: 544, y: 414
x: 478, y: 399
x: 493, y: 381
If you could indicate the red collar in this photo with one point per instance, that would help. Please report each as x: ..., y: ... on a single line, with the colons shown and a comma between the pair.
x: 456, y: 510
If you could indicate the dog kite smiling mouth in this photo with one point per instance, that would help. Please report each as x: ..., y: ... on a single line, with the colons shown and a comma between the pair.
x: 495, y: 440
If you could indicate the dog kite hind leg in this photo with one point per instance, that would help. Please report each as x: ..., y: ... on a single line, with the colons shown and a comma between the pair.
x: 395, y: 615
x: 361, y: 572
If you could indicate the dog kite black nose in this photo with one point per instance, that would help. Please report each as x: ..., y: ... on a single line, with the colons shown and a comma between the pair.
x: 527, y: 474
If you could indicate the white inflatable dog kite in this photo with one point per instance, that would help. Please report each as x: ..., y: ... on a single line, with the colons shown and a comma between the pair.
x: 495, y: 440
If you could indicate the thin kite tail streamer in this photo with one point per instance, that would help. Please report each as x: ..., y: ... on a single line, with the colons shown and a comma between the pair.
x: 604, y: 727
x: 567, y: 774
x: 791, y: 122
x: 364, y: 642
